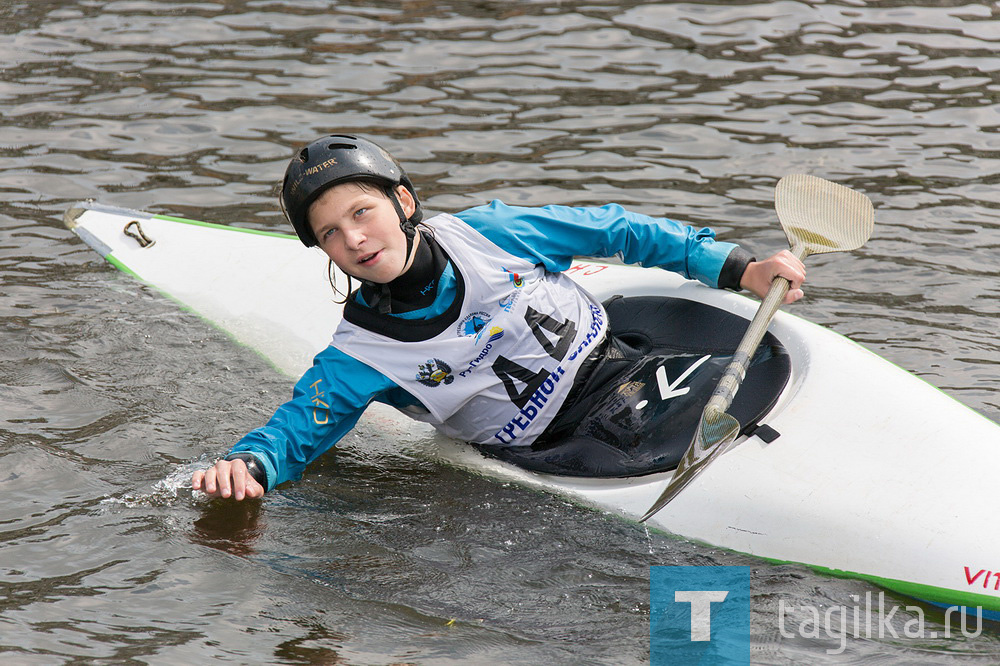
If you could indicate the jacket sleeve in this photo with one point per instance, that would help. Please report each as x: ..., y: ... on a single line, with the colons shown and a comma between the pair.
x: 553, y: 235
x: 326, y: 403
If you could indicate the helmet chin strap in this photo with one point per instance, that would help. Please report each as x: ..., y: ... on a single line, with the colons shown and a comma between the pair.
x: 408, y: 228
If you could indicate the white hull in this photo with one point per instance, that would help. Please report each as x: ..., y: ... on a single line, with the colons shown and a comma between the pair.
x: 872, y: 475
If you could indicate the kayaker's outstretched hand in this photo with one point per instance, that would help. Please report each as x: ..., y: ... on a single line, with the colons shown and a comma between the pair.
x: 227, y: 478
x: 759, y: 274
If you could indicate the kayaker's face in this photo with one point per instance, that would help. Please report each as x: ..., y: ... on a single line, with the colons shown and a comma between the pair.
x: 357, y: 226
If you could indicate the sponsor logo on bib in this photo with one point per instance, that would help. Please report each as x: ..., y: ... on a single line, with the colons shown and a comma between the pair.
x: 434, y: 372
x: 473, y: 324
x: 495, y: 334
x: 507, y: 302
x: 514, y: 278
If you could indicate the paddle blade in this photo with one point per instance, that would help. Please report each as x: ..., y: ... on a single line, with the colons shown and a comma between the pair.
x: 822, y: 216
x: 716, y: 431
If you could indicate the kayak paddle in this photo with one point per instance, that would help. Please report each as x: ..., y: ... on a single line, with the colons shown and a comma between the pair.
x: 818, y: 217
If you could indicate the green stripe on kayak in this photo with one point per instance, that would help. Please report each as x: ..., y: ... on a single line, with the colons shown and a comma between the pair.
x: 122, y: 267
x: 918, y: 591
x: 210, y: 225
x: 936, y: 595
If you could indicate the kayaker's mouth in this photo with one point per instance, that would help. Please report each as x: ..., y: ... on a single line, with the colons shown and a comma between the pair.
x: 367, y: 259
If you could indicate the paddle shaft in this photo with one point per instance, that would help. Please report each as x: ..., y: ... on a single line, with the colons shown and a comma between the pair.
x: 733, y: 376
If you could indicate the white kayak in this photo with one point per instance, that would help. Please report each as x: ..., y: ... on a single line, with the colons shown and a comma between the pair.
x: 871, y: 477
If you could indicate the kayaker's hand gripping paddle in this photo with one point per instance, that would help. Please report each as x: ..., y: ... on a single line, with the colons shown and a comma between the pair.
x: 818, y: 217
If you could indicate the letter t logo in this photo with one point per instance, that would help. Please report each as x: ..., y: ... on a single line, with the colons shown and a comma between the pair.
x: 701, y: 610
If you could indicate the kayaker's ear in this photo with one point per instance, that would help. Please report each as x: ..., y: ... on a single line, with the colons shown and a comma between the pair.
x: 406, y: 201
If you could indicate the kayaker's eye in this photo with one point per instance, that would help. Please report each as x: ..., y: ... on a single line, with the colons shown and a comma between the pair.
x: 359, y: 212
x: 329, y: 232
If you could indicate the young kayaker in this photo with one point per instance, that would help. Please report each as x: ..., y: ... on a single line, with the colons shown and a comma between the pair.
x: 464, y: 321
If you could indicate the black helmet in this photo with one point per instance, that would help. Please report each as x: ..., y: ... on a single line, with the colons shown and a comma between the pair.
x: 335, y: 159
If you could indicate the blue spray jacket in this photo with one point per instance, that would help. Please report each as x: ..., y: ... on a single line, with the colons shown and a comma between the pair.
x: 331, y: 396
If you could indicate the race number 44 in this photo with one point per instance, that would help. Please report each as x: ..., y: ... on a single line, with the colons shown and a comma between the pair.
x: 556, y: 337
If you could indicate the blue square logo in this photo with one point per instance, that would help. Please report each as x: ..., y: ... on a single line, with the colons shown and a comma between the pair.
x: 699, y: 615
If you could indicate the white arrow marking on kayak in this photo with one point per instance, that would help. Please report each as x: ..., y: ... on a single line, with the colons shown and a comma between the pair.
x: 669, y: 389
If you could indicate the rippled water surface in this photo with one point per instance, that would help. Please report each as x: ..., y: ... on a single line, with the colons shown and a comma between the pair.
x: 110, y: 396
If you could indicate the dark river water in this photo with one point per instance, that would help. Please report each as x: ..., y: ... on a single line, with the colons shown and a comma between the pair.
x: 110, y: 395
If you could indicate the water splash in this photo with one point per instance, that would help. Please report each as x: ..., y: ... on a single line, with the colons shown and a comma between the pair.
x: 162, y: 493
